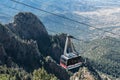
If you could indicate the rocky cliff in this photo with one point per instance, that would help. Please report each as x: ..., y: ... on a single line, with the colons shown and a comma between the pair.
x: 19, y: 51
x: 27, y: 26
x: 25, y: 43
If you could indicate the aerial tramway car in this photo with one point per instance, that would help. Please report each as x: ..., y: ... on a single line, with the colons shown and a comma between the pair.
x: 70, y: 59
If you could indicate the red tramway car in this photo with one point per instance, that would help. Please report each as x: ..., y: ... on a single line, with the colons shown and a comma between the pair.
x: 70, y: 59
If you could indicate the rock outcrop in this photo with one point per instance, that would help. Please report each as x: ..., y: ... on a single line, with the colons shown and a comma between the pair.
x: 27, y: 26
x: 85, y: 73
x: 23, y: 53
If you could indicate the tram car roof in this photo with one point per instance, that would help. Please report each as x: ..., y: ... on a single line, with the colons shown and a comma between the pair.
x: 69, y: 56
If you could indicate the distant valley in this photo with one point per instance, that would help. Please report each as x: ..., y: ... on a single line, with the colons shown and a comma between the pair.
x: 101, y: 14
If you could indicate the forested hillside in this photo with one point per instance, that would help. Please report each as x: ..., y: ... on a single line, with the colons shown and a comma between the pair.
x: 103, y: 55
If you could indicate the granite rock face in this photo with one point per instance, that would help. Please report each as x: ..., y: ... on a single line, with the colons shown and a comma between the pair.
x: 19, y: 51
x: 27, y: 26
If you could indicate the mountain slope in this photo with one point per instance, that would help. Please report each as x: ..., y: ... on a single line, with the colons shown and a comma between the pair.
x: 20, y: 51
x: 25, y: 45
x: 104, y: 55
x: 28, y: 46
